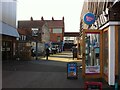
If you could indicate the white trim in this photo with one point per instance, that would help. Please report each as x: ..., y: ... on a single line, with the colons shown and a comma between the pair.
x: 106, y: 25
x: 110, y: 23
x: 111, y: 62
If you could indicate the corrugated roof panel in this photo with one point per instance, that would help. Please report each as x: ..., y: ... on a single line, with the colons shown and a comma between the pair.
x: 8, y: 30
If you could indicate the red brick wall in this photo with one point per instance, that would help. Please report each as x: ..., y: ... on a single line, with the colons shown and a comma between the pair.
x: 53, y: 36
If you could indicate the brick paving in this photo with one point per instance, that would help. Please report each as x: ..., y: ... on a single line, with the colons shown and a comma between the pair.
x: 43, y: 73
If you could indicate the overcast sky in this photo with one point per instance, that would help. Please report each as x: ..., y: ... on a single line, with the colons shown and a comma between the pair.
x: 70, y: 9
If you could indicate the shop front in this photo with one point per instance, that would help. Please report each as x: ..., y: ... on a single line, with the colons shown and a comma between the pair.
x: 111, y: 50
x: 8, y: 47
x: 92, y: 49
x: 100, y: 33
x: 100, y: 51
x: 9, y: 43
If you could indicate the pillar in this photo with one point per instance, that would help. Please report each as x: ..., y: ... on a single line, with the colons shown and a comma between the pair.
x: 111, y: 55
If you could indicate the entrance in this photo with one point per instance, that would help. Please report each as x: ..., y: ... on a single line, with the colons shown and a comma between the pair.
x: 6, y: 50
x: 118, y: 66
x: 92, y: 49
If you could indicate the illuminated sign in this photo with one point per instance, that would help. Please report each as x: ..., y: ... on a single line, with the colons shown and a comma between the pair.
x: 35, y: 31
x: 89, y: 18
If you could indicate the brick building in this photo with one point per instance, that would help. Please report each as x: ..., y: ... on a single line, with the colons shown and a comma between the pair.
x: 56, y: 28
x: 49, y: 33
x: 33, y: 34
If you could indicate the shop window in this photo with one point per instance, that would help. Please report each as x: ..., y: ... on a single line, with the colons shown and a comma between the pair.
x: 105, y: 52
x: 92, y: 53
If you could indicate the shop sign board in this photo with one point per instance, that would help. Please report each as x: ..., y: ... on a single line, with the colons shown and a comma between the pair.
x: 72, y: 70
x: 89, y: 18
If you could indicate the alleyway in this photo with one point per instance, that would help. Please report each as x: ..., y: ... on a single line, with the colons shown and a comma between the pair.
x: 65, y: 56
x: 41, y: 73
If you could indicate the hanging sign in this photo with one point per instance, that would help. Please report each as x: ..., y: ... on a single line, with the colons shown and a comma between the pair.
x: 89, y: 18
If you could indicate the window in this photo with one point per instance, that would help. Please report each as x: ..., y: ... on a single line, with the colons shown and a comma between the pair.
x: 105, y: 52
x: 57, y: 30
x: 92, y: 53
x: 58, y: 38
x: 22, y: 37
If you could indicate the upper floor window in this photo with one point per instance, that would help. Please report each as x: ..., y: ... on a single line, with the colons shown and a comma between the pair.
x: 57, y: 30
x: 22, y: 37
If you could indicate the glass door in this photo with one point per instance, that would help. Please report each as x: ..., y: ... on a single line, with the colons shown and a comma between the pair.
x: 92, y: 47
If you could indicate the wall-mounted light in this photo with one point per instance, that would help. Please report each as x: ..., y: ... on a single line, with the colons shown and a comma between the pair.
x: 17, y: 38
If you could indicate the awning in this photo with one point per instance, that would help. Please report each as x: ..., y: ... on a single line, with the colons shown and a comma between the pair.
x: 8, y: 30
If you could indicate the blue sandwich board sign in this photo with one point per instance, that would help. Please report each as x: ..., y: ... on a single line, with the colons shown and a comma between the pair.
x: 89, y: 18
x: 72, y: 70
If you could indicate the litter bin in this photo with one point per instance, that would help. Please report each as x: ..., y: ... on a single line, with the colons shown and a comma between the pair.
x: 72, y: 72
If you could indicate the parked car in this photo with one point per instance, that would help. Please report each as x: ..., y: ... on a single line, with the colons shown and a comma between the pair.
x: 50, y: 51
x: 54, y: 50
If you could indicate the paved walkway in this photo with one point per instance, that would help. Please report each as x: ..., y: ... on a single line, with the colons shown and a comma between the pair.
x: 65, y: 56
x: 42, y: 73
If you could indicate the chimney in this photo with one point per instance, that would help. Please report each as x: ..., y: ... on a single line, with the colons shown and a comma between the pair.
x: 42, y: 18
x: 63, y: 18
x: 31, y: 18
x: 52, y: 18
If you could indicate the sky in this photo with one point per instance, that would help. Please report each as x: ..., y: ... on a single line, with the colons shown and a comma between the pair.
x: 70, y: 9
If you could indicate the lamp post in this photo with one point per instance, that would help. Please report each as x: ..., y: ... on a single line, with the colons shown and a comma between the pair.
x: 36, y: 49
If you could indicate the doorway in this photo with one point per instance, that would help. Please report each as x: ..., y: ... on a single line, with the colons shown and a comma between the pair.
x: 118, y: 66
x: 6, y: 50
